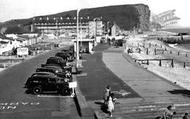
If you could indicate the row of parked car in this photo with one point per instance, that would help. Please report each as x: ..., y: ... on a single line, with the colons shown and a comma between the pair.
x: 55, y: 75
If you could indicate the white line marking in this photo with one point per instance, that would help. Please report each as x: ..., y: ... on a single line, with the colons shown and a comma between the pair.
x: 53, y: 96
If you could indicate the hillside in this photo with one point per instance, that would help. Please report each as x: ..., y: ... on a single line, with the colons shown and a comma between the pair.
x: 125, y: 16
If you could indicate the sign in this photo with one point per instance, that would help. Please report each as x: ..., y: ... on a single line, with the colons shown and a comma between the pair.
x: 22, y: 51
x: 73, y: 84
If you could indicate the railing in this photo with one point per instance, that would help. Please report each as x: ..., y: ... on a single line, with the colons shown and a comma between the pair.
x: 160, y: 62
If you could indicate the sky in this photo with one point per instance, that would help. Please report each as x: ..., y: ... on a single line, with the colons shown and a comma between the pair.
x: 17, y: 9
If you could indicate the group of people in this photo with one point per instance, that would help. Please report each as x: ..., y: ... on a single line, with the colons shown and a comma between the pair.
x: 168, y: 114
x: 109, y: 100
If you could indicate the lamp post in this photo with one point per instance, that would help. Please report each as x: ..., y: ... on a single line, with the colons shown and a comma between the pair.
x: 77, y: 44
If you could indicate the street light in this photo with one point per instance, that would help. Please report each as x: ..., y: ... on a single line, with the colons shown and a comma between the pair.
x: 77, y: 45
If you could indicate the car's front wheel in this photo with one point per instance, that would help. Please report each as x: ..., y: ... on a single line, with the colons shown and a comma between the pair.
x: 37, y: 90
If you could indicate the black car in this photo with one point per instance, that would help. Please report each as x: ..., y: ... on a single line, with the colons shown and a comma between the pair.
x: 56, y: 60
x: 43, y: 73
x: 40, y: 83
x: 65, y: 56
x: 56, y: 71
x: 65, y: 68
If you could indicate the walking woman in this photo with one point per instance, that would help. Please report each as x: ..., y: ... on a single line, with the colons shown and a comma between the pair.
x: 110, y: 106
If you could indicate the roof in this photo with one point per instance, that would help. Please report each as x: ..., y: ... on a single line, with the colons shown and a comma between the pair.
x: 3, y: 42
x: 59, y: 19
x: 84, y: 40
x: 4, y: 37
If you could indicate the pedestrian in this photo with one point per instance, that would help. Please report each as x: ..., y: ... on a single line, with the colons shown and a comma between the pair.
x: 185, y: 116
x: 110, y: 106
x: 168, y: 113
x: 107, y: 94
x: 113, y: 98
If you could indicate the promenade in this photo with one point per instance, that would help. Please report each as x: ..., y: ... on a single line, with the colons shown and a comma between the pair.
x: 145, y: 94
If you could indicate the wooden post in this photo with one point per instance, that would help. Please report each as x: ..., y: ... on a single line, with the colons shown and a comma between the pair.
x: 160, y: 62
x: 139, y: 50
x: 147, y: 51
x: 149, y: 45
x: 147, y: 62
x: 184, y: 65
x: 172, y: 63
x: 154, y: 51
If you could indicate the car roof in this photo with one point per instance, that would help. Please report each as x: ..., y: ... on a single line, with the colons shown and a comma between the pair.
x: 55, y: 57
x: 43, y: 74
x: 51, y: 64
x: 46, y: 68
x: 53, y: 67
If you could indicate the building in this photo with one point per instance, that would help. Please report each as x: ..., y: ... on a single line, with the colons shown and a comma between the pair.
x: 96, y: 28
x: 115, y: 30
x: 85, y: 44
x: 7, y: 44
x: 67, y: 26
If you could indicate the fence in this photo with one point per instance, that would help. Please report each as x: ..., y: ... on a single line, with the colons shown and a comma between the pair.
x: 147, y: 61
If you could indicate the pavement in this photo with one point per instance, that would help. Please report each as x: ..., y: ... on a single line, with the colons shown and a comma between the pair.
x: 147, y: 94
x: 95, y: 76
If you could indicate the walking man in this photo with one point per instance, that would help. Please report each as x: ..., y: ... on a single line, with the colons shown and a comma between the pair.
x: 185, y: 116
x: 107, y: 94
x: 168, y: 113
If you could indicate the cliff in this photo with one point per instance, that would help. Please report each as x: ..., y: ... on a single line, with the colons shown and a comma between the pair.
x: 126, y: 17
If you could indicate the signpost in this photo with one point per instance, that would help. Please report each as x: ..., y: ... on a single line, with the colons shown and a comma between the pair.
x: 22, y: 51
x: 73, y: 85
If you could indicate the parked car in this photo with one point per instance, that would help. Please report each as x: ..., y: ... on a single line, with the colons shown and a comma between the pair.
x: 52, y: 70
x: 65, y: 56
x: 38, y: 84
x: 65, y: 68
x: 64, y: 71
x: 56, y: 60
x: 43, y: 74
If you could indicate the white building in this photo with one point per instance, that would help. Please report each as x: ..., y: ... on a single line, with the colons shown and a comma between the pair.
x: 6, y: 44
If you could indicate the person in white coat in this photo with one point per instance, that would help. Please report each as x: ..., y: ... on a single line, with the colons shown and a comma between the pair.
x: 110, y: 106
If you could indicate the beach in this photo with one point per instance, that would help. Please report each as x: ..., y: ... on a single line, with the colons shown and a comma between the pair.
x: 159, y: 61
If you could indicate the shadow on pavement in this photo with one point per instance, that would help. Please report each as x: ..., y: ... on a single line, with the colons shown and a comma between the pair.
x: 103, y: 107
x: 181, y: 92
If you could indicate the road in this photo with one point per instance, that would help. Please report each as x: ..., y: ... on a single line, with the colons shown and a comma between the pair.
x: 16, y: 104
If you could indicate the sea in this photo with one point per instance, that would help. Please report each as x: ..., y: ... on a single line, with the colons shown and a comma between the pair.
x: 185, y: 45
